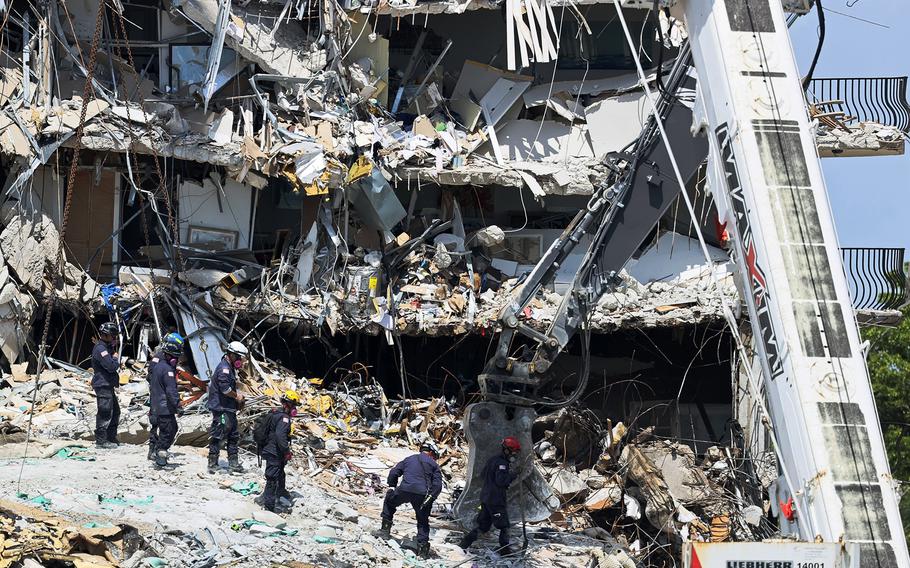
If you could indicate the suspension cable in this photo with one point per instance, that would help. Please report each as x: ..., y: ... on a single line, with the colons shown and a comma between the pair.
x: 88, y: 93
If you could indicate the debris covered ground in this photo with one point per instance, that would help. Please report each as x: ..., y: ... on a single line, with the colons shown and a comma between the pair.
x: 620, y: 499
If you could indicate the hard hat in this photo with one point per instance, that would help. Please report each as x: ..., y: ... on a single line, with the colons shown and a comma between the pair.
x: 174, y: 337
x: 108, y: 328
x: 429, y: 446
x: 511, y: 444
x: 291, y: 397
x: 172, y: 344
x: 237, y: 348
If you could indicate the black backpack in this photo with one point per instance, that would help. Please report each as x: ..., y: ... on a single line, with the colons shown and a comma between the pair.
x: 262, y: 430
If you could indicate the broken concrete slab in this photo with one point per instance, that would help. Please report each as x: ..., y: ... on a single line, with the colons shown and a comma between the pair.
x: 568, y: 485
x: 278, y: 47
x: 270, y: 518
x: 677, y: 464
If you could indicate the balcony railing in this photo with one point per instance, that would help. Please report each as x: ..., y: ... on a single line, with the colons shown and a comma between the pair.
x: 876, y: 277
x: 867, y: 99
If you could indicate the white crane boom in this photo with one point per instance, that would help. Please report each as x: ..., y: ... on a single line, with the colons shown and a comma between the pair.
x: 767, y: 182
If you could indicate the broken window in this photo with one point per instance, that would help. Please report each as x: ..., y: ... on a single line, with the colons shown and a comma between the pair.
x: 605, y: 47
x: 140, y: 20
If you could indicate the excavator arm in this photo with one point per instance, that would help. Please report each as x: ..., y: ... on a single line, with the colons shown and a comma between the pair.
x: 619, y: 216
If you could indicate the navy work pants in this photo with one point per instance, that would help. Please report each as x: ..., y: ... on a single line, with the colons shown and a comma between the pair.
x: 224, y: 430
x: 395, y: 498
x: 165, y: 429
x: 491, y: 517
x: 108, y: 418
x: 275, y: 482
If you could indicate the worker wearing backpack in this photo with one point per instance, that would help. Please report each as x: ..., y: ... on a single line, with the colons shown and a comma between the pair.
x: 272, y: 435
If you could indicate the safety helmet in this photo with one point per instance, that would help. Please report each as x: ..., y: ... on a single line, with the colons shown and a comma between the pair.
x: 430, y: 447
x: 172, y: 344
x: 291, y: 397
x: 237, y: 348
x: 511, y: 444
x: 108, y: 328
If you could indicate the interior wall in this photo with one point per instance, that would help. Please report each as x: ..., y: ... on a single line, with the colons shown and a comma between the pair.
x: 204, y: 207
x: 46, y: 194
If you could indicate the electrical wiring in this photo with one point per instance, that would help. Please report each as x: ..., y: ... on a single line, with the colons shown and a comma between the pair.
x: 521, y: 196
x: 818, y: 48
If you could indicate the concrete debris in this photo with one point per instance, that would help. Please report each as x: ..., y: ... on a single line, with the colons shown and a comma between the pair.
x: 862, y: 139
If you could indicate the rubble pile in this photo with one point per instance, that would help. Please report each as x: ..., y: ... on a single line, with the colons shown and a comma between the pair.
x: 859, y: 139
x: 32, y: 537
x: 649, y: 494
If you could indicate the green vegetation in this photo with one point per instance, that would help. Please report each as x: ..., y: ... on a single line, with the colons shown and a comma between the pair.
x: 889, y: 367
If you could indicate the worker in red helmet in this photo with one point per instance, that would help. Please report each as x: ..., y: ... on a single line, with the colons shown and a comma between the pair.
x: 497, y: 476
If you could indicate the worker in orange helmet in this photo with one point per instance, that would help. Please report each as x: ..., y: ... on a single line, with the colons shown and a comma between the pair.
x: 497, y: 476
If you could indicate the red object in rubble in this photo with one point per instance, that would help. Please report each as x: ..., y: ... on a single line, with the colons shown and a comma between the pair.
x: 788, y: 509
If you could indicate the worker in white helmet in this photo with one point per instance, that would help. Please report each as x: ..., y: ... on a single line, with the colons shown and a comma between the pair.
x: 224, y: 402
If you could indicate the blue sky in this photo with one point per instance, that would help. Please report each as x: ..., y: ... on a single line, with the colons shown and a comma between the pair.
x: 870, y: 196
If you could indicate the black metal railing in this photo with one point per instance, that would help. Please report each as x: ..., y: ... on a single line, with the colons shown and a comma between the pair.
x: 876, y: 277
x: 873, y: 99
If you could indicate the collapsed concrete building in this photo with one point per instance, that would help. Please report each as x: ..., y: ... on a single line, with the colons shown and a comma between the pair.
x: 369, y: 182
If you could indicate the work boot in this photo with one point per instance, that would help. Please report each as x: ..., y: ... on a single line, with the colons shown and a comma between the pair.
x: 467, y: 540
x: 151, y: 455
x: 507, y: 551
x: 161, y: 458
x: 234, y: 464
x: 423, y: 549
x: 213, y: 463
x: 104, y: 445
x: 385, y: 532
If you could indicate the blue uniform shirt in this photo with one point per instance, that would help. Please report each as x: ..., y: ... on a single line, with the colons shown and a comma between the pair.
x: 106, y: 367
x: 496, y: 480
x: 223, y: 381
x: 419, y: 474
x: 163, y: 397
x: 279, y: 441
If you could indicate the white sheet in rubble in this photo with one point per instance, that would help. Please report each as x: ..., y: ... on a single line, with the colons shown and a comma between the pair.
x: 675, y: 258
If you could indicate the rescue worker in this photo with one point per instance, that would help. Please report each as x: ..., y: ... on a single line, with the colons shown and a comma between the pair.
x: 421, y: 483
x: 277, y: 450
x: 224, y: 402
x: 163, y: 398
x: 497, y: 477
x: 105, y: 382
x: 176, y: 339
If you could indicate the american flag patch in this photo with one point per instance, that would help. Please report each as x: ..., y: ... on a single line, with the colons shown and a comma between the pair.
x: 104, y: 353
x: 502, y: 467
